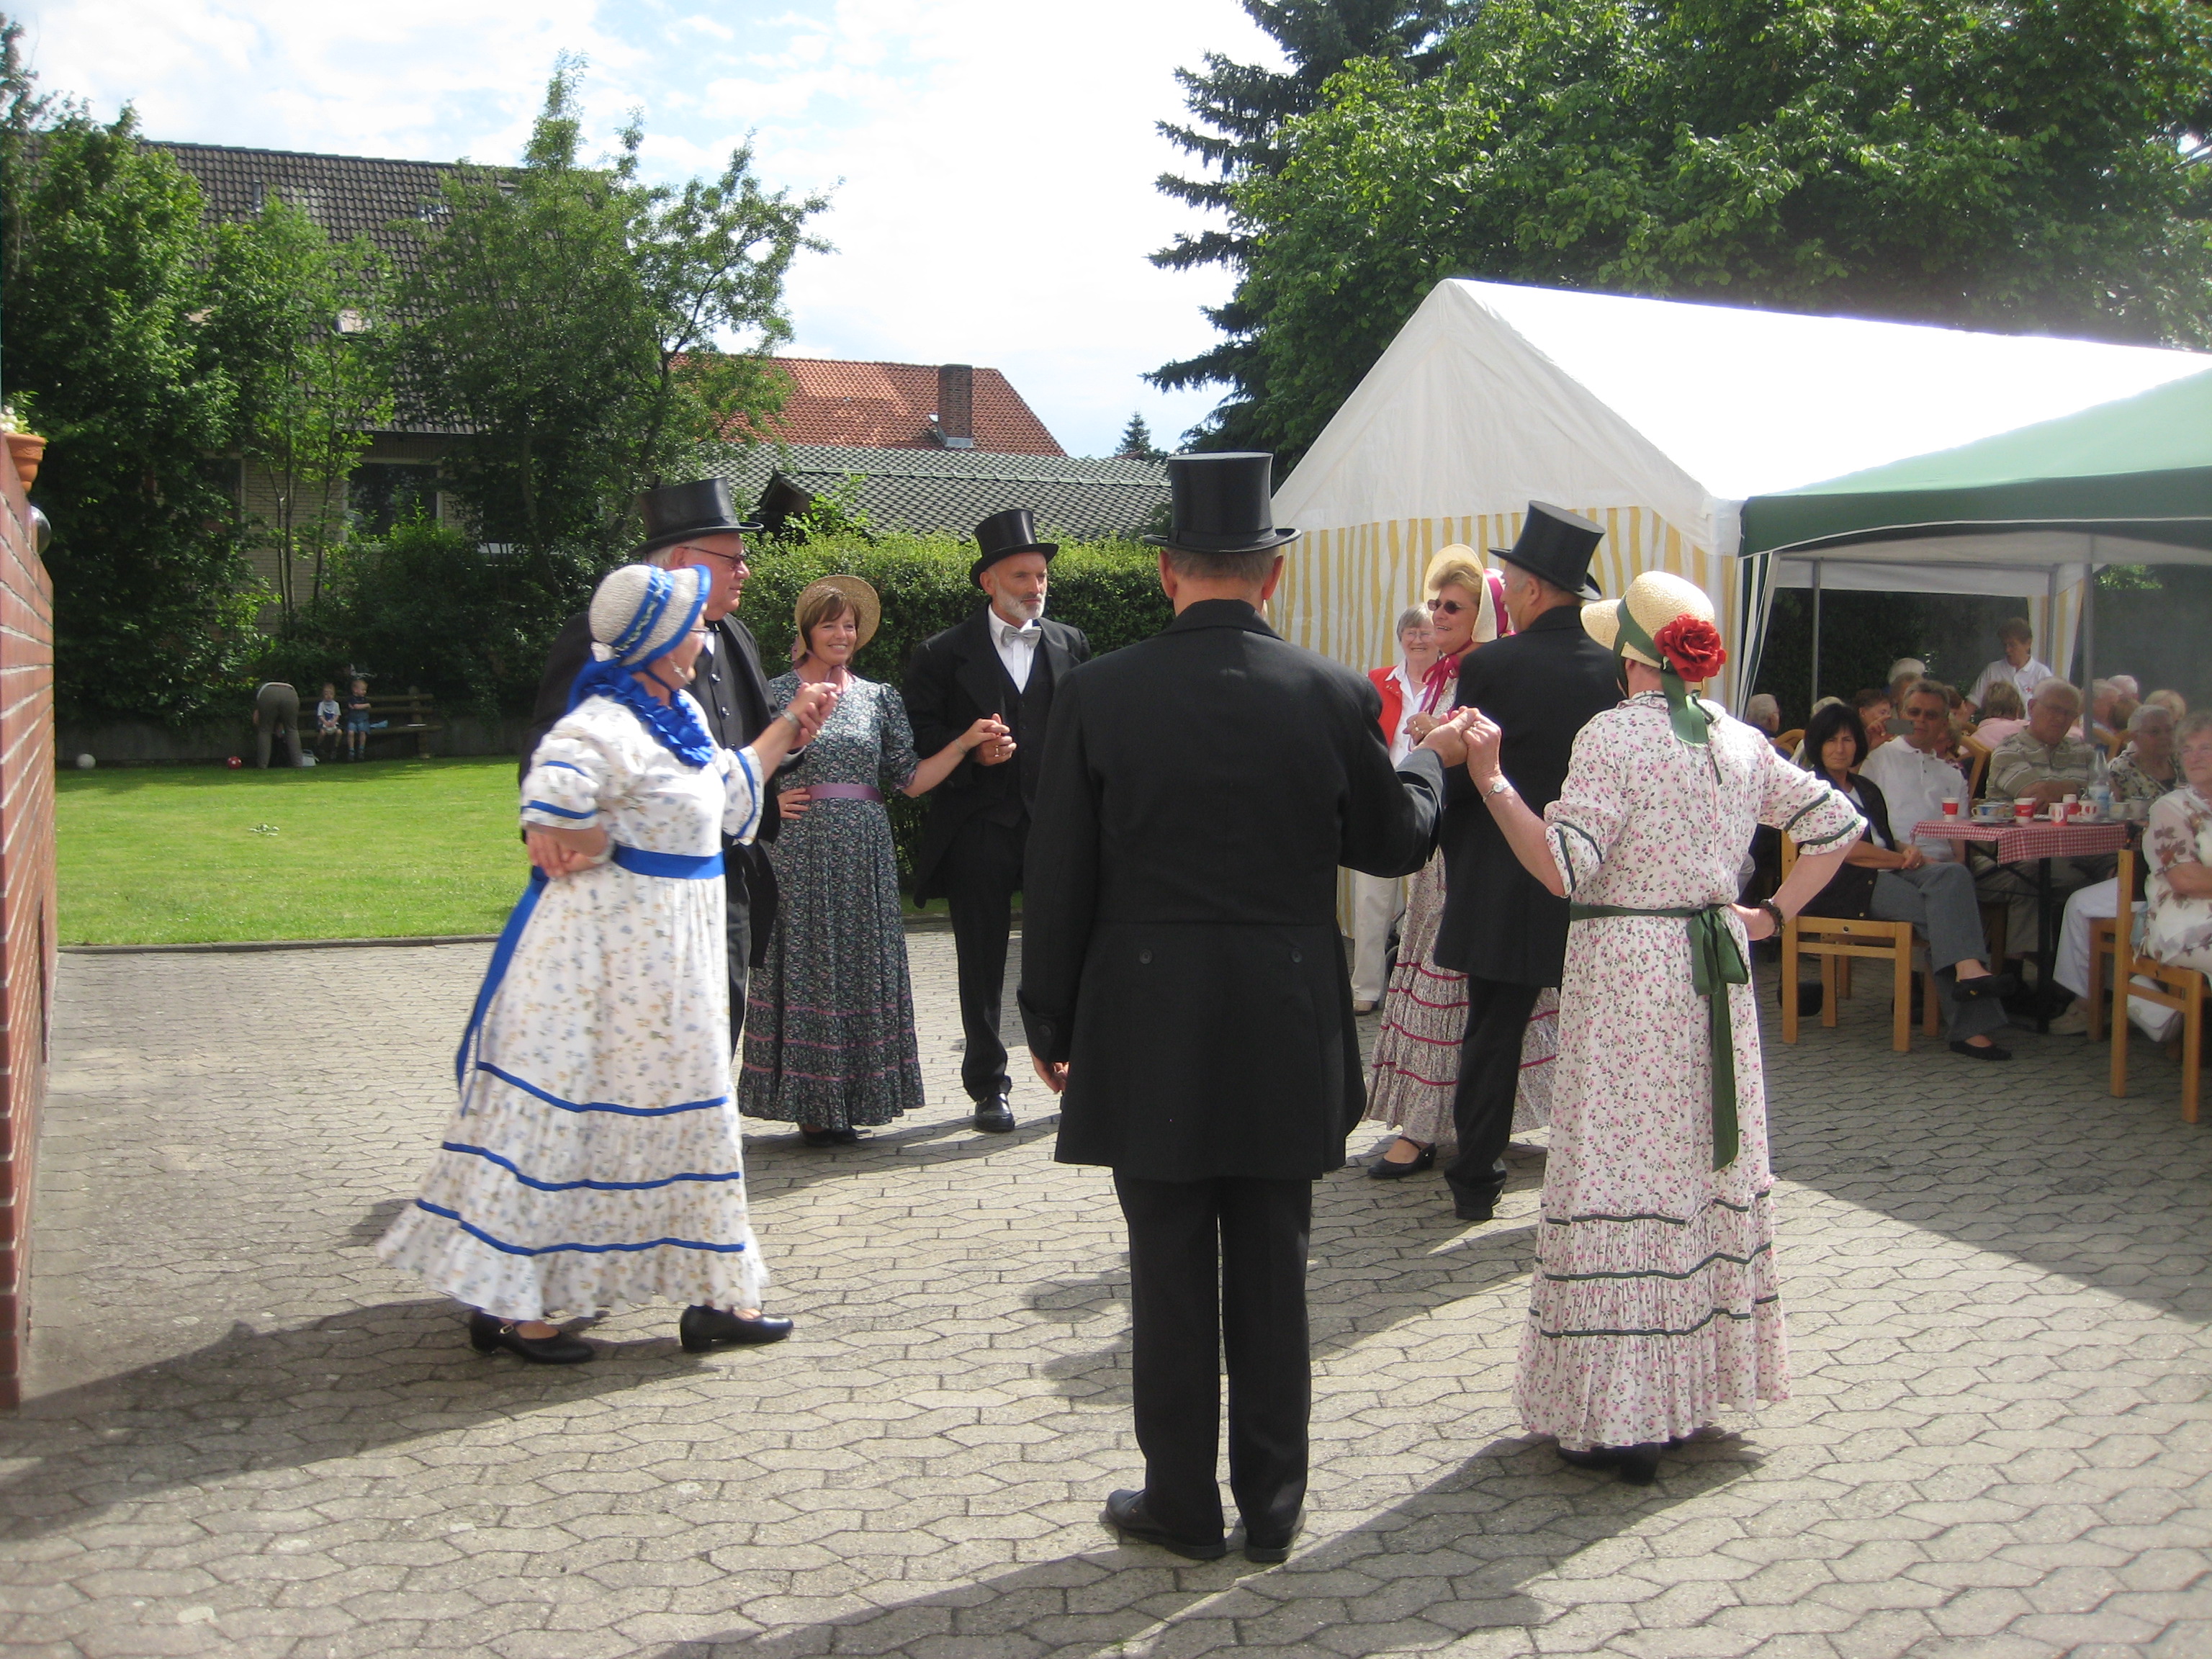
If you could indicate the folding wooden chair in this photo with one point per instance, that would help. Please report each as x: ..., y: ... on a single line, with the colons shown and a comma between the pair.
x: 2182, y: 989
x: 2103, y: 936
x: 1835, y: 940
x: 1786, y: 744
x: 1977, y: 762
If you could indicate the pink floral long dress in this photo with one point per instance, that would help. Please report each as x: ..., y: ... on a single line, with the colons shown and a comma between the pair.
x: 2177, y: 930
x: 1655, y: 1299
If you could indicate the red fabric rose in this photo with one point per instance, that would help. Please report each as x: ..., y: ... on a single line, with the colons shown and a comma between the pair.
x: 1693, y: 646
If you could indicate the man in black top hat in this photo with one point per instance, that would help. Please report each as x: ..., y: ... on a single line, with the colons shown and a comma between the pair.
x: 1005, y: 660
x: 1542, y: 684
x: 1184, y: 989
x: 690, y: 524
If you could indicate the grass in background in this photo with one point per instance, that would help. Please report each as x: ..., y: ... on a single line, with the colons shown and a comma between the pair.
x: 383, y: 849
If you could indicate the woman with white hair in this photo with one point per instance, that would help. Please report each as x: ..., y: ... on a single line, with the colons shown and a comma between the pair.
x: 1376, y: 901
x: 594, y: 1161
x: 1414, y: 1070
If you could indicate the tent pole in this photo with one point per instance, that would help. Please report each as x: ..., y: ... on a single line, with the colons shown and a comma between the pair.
x: 2051, y: 616
x: 2089, y: 628
x: 1815, y: 695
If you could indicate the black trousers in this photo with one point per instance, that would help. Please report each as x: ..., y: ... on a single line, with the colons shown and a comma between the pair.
x: 980, y: 875
x: 1217, y: 1268
x: 737, y: 917
x: 1489, y: 1074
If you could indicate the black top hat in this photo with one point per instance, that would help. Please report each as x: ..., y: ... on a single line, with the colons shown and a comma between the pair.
x: 676, y: 513
x: 1221, y: 504
x: 1004, y: 534
x: 1557, y: 544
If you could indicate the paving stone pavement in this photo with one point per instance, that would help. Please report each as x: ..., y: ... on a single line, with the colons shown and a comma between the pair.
x: 248, y: 1437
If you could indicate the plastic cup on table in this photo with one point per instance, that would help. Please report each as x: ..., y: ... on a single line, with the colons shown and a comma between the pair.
x: 2023, y: 808
x: 1950, y: 809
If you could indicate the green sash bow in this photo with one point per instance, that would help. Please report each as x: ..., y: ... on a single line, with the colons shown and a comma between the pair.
x: 1688, y: 716
x: 1715, y: 963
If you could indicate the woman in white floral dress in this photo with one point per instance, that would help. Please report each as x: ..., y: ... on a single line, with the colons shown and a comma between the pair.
x: 594, y: 1162
x: 1655, y: 1300
x: 2178, y: 849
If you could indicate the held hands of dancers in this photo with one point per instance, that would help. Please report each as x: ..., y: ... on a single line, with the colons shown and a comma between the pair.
x: 1447, y: 737
x: 992, y: 741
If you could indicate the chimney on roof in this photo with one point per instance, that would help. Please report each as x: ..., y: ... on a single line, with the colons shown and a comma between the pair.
x: 955, y: 405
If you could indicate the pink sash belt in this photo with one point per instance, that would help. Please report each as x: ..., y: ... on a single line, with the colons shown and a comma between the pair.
x: 844, y: 792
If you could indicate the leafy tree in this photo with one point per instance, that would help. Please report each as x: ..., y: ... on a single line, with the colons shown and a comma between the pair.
x: 1238, y: 111
x: 102, y: 251
x: 1137, y: 443
x: 568, y: 318
x: 294, y: 320
x: 2014, y: 164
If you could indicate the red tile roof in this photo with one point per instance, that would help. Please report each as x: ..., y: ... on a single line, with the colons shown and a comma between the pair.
x: 890, y: 405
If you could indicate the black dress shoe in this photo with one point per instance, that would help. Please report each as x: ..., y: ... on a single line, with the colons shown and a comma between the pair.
x: 1987, y: 1051
x: 993, y: 1116
x: 1988, y: 985
x: 1467, y: 1211
x: 818, y: 1137
x: 491, y: 1335
x: 1637, y: 1465
x: 1383, y: 1170
x: 701, y: 1328
x: 1126, y: 1510
x: 1268, y: 1554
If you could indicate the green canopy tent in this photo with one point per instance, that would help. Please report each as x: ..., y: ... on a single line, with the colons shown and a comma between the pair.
x: 2033, y: 513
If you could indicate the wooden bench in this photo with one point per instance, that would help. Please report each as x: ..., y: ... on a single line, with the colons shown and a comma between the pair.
x: 405, y: 714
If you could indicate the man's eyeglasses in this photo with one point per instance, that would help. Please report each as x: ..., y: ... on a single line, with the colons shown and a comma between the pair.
x: 736, y: 560
x: 1449, y: 607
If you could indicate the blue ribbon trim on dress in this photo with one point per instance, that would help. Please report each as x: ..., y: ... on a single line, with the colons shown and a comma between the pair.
x: 508, y: 1164
x: 591, y: 1249
x: 677, y: 866
x: 532, y: 1088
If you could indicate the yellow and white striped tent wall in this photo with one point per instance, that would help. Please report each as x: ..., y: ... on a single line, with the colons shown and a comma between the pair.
x: 1343, y: 589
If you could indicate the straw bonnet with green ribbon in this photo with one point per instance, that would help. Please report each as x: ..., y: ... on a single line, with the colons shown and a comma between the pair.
x: 1666, y: 624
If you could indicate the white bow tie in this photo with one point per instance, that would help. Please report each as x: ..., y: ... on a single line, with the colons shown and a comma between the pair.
x: 1009, y: 635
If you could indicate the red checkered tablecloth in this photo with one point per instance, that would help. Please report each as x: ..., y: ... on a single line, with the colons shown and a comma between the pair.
x: 2013, y: 843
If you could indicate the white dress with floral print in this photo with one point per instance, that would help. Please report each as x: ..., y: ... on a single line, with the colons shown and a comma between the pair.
x: 594, y: 1161
x: 2177, y: 930
x: 1655, y: 1297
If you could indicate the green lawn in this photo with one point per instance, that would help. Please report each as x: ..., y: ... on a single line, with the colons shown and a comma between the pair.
x: 188, y: 854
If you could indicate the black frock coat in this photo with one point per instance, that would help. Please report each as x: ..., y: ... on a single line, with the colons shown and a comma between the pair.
x: 731, y: 689
x: 952, y: 680
x: 1542, y: 686
x: 1179, y: 944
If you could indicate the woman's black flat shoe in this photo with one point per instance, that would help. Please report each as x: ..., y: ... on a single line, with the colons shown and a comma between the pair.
x: 819, y: 1137
x: 1988, y: 985
x: 1987, y: 1051
x: 701, y: 1328
x: 491, y: 1335
x: 1383, y: 1170
x: 1637, y: 1465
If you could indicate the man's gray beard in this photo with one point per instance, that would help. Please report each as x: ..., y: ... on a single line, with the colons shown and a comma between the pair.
x: 1020, y: 611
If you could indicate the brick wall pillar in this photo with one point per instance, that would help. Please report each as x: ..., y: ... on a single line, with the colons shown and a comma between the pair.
x: 27, y: 901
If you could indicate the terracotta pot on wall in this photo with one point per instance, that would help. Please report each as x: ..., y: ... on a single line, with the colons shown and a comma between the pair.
x: 26, y: 449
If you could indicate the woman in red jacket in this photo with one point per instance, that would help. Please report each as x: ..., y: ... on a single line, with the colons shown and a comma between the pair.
x: 1376, y: 900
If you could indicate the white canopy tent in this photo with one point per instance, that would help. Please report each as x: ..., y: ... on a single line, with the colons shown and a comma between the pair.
x: 1659, y: 419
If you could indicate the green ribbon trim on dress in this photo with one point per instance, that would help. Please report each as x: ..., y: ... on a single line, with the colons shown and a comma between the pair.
x: 1685, y: 713
x: 1715, y: 963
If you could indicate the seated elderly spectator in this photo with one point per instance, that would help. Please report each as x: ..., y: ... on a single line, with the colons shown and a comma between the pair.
x: 1913, y: 776
x: 1875, y: 711
x: 2173, y: 701
x: 2129, y: 686
x: 2104, y: 696
x: 1904, y: 674
x: 2144, y: 770
x: 2019, y: 667
x: 2178, y: 856
x: 1895, y: 882
x: 2043, y: 763
x: 1764, y: 713
x: 2003, y: 713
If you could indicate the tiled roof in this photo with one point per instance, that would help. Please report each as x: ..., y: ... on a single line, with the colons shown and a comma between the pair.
x: 890, y: 405
x: 953, y: 490
x: 348, y: 196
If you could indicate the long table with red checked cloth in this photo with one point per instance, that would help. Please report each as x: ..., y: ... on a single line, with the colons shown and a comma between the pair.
x: 2037, y: 843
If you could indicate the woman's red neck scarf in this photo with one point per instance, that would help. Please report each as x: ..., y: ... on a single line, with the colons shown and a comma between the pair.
x: 1437, y: 685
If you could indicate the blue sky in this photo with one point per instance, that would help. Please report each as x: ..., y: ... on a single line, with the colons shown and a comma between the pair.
x: 992, y: 159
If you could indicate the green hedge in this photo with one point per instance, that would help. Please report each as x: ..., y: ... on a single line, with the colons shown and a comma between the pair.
x: 1110, y: 590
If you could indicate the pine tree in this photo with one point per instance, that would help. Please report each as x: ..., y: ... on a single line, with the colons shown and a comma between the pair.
x: 1137, y: 443
x: 1241, y: 108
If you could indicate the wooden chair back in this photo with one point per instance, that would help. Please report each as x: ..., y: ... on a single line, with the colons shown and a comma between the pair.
x: 2182, y: 989
x: 1786, y: 743
x: 1977, y: 763
x: 1835, y: 940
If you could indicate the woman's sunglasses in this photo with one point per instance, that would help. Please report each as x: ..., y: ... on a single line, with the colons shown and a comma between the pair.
x: 1449, y: 607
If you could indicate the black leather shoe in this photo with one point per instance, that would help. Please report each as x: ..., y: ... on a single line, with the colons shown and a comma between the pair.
x: 1476, y: 1212
x: 819, y: 1137
x: 1383, y: 1170
x: 1637, y: 1465
x: 1268, y: 1554
x: 491, y: 1335
x: 1988, y: 985
x: 993, y: 1116
x: 1990, y: 1051
x: 701, y: 1328
x: 1126, y: 1511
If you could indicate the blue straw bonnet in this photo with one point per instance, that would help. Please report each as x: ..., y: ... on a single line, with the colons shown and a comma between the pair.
x: 641, y: 610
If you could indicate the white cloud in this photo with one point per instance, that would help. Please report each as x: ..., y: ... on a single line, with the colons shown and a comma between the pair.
x: 997, y: 156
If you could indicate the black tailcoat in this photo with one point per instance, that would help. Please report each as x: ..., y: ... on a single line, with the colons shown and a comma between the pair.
x: 1542, y: 686
x: 733, y: 691
x: 1179, y: 944
x: 952, y: 680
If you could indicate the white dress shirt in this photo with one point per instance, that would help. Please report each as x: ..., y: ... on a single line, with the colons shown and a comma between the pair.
x: 2024, y: 679
x: 1402, y: 744
x: 1016, y: 645
x: 1915, y: 785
